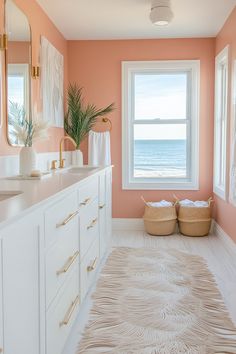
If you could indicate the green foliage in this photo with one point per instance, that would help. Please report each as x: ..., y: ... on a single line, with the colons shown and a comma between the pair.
x: 22, y: 130
x: 80, y: 119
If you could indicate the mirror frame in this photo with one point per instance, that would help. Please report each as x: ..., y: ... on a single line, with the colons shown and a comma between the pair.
x: 6, y: 73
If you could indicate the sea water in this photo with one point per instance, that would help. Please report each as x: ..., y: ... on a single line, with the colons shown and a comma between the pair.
x: 160, y: 158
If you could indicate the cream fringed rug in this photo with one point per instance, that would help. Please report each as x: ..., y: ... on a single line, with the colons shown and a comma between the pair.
x: 157, y: 302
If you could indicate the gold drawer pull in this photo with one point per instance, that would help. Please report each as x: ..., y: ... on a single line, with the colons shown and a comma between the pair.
x: 70, y: 312
x: 102, y: 206
x: 93, y: 223
x: 68, y: 263
x: 85, y: 202
x: 68, y: 219
x: 92, y: 266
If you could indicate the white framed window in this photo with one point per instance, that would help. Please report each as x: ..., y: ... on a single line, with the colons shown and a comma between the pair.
x: 160, y: 124
x: 221, y: 123
x: 18, y: 85
x: 17, y: 94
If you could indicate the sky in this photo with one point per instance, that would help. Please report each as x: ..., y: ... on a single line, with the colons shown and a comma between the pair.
x: 160, y: 96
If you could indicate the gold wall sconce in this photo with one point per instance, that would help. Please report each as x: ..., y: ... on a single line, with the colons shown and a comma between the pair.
x: 3, y: 41
x: 35, y: 72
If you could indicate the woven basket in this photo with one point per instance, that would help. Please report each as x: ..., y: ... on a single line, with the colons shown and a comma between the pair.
x: 159, y: 221
x: 195, y: 221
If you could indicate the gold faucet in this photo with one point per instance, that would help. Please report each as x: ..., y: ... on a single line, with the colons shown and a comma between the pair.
x: 62, y: 165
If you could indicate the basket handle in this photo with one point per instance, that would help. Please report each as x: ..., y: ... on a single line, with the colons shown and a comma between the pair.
x: 146, y: 203
x: 210, y: 200
x: 176, y: 200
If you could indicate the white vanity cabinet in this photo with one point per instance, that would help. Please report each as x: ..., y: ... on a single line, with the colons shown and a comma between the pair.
x: 62, y: 255
x: 21, y: 281
x: 61, y: 243
x: 89, y: 233
x: 48, y: 262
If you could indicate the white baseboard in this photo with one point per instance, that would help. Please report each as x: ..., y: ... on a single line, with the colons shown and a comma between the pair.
x: 130, y: 225
x: 127, y: 224
x: 229, y: 244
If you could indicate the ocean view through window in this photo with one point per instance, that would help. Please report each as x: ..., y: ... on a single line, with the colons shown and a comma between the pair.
x: 159, y: 158
x: 160, y: 125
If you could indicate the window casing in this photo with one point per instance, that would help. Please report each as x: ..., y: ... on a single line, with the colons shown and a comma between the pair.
x: 221, y: 123
x: 168, y: 120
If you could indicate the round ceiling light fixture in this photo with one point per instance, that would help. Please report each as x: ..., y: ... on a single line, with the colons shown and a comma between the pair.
x: 161, y: 13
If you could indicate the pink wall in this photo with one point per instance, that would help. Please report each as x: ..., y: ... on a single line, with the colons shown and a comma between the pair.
x: 18, y: 52
x: 225, y: 212
x: 96, y: 65
x: 40, y: 25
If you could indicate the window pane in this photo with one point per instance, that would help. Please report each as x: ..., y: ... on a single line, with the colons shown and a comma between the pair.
x: 160, y: 96
x: 16, y: 89
x: 160, y: 151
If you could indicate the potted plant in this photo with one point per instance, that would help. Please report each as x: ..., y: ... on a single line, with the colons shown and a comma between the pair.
x: 80, y: 119
x: 25, y: 132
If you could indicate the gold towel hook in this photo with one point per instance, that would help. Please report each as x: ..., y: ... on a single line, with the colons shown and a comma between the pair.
x: 107, y: 120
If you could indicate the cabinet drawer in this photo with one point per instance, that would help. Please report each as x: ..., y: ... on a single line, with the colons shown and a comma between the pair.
x: 61, y: 315
x: 88, y: 192
x: 88, y: 268
x: 61, y: 219
x: 61, y: 259
x: 88, y: 226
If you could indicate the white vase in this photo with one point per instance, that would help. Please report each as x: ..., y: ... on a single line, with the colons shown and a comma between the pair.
x: 27, y: 161
x: 77, y: 158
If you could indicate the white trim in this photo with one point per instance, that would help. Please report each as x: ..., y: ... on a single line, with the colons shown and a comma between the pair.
x: 232, y: 179
x: 127, y: 224
x: 220, y: 187
x: 128, y: 68
x: 136, y: 224
x: 229, y: 244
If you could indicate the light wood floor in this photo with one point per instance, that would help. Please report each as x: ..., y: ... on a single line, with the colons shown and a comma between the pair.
x: 220, y: 262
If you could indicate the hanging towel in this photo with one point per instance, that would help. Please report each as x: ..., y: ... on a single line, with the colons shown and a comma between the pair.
x: 99, y: 149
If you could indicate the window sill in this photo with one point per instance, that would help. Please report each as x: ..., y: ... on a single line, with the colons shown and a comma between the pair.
x: 161, y: 186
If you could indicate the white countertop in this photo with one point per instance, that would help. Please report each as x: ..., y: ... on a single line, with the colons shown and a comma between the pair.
x: 36, y: 192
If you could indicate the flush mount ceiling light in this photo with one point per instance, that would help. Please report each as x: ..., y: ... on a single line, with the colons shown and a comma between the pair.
x: 161, y: 13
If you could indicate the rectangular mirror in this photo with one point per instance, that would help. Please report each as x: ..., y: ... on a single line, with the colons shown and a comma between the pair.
x: 18, y: 68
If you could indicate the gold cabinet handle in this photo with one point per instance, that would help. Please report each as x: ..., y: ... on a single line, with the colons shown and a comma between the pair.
x: 68, y: 264
x: 93, y: 223
x: 92, y: 267
x: 1, y: 350
x: 70, y: 311
x: 68, y: 219
x: 85, y: 202
x: 102, y: 206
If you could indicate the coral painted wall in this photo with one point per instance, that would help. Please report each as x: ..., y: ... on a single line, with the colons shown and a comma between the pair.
x: 18, y: 52
x: 225, y: 212
x: 96, y: 65
x: 40, y: 25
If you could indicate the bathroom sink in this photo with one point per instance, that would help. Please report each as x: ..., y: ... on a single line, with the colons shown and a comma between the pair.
x: 8, y: 194
x: 81, y: 170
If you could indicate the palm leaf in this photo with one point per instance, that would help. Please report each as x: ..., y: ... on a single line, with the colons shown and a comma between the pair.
x: 80, y: 118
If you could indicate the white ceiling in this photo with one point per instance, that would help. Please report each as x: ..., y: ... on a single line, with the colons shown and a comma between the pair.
x: 127, y: 19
